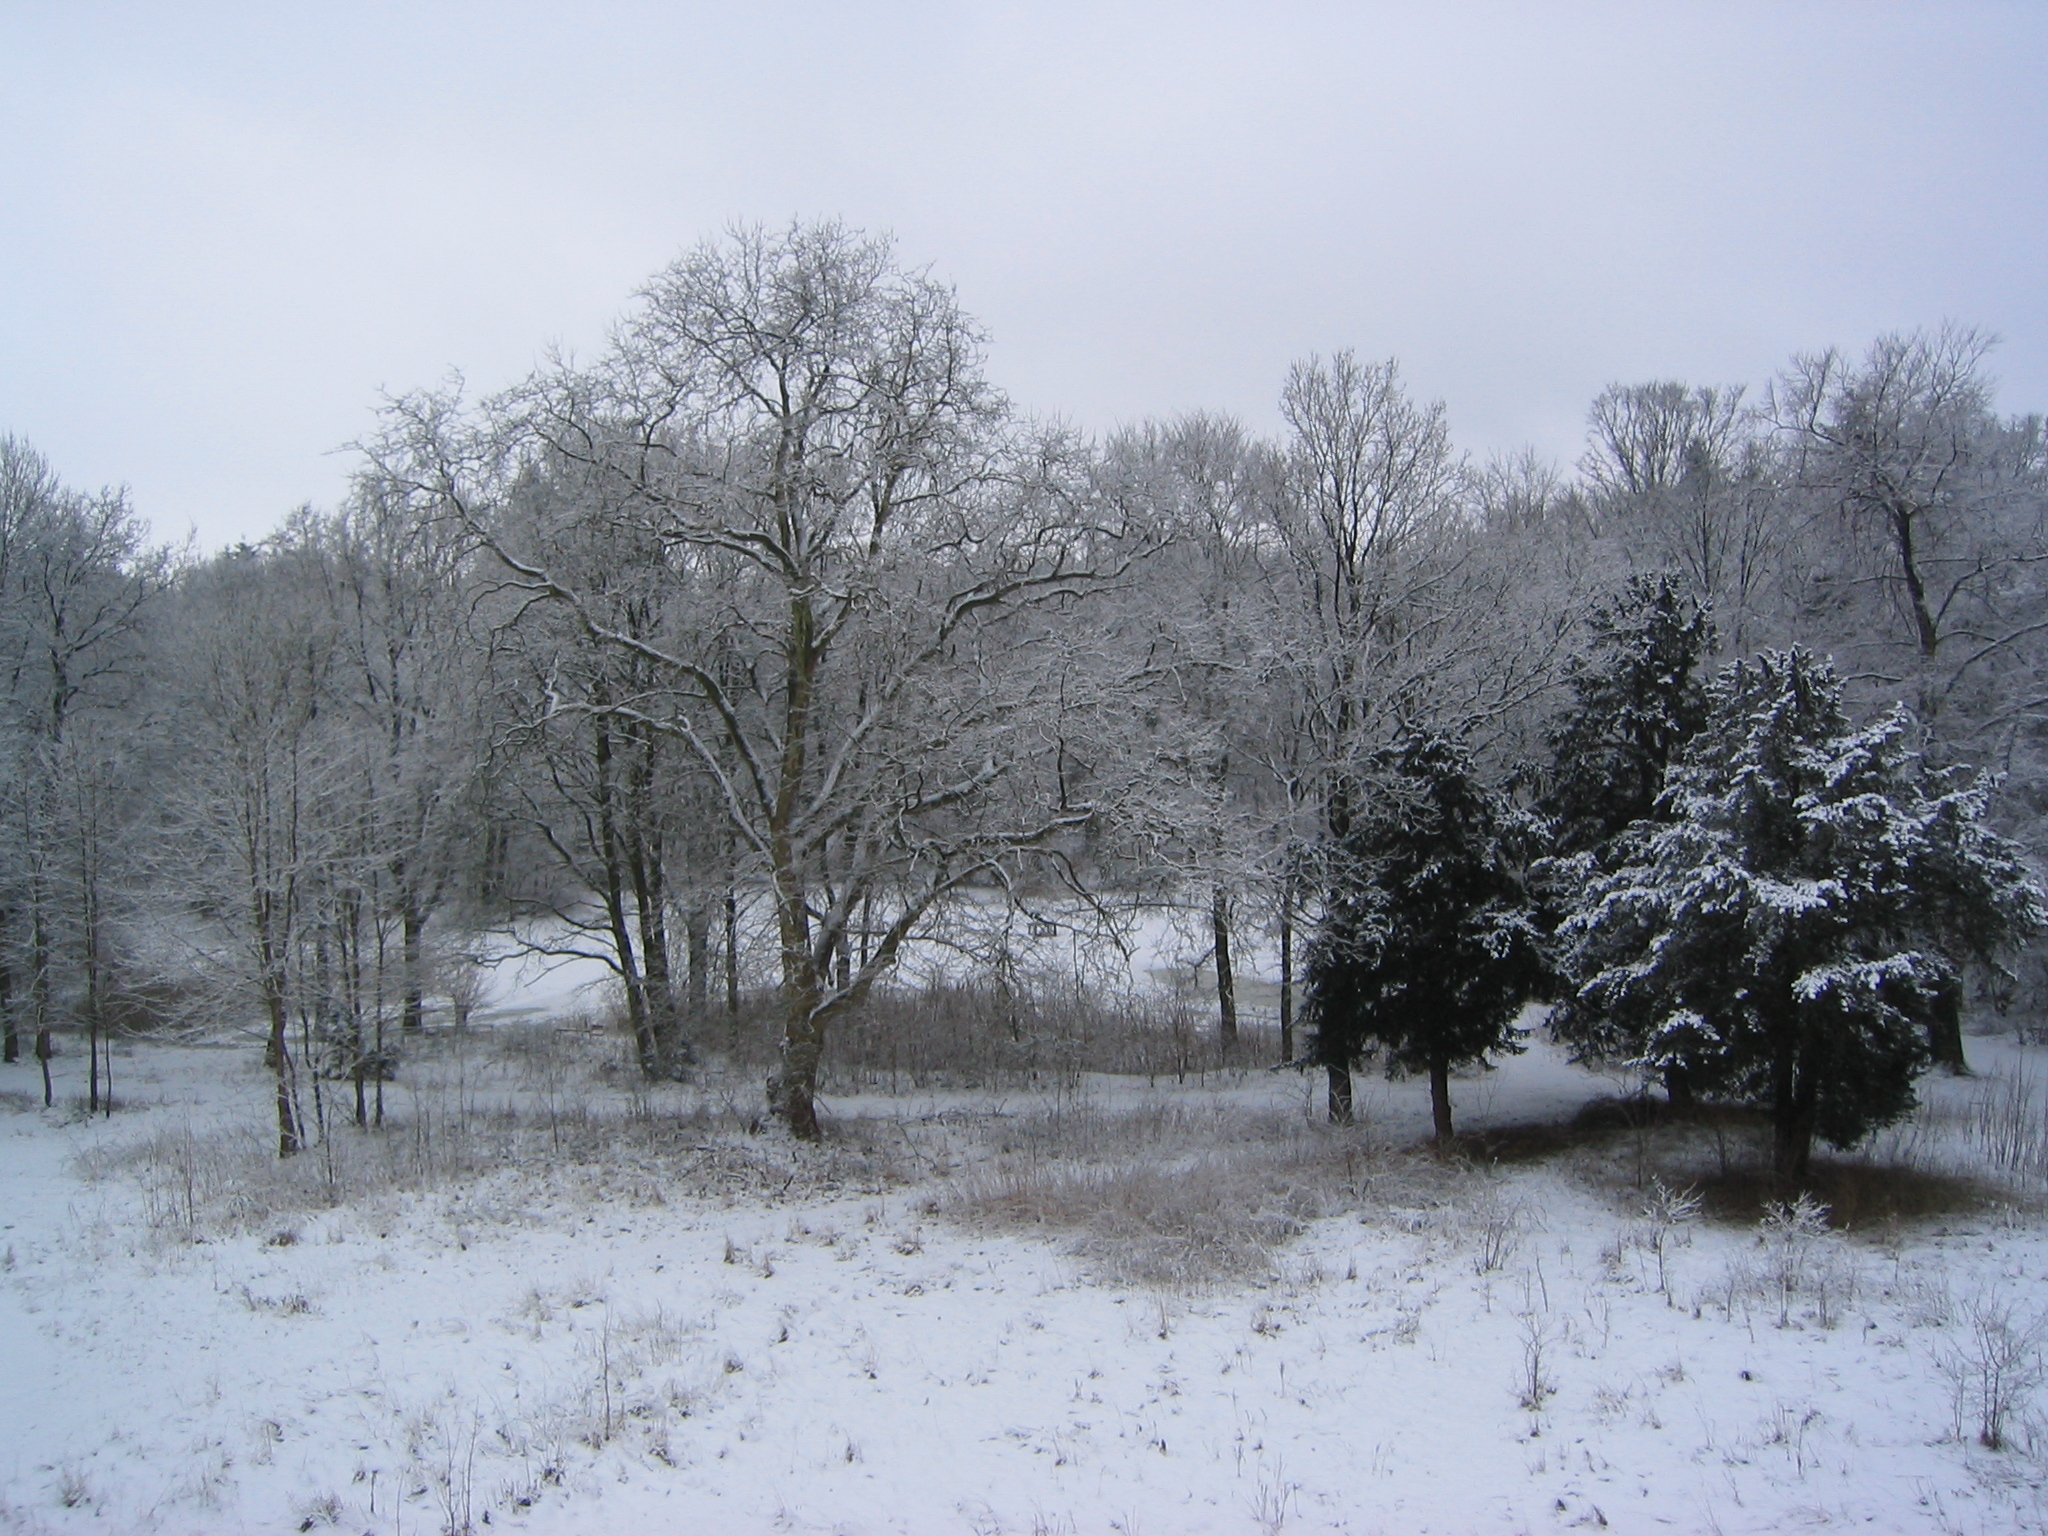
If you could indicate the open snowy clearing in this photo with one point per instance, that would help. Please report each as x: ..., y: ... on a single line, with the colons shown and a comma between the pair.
x: 546, y: 1299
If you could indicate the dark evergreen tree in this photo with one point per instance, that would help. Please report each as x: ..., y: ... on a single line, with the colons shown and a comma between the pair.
x: 1636, y: 698
x: 1791, y: 928
x: 1427, y: 948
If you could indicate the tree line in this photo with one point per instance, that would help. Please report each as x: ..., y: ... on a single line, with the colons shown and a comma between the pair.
x: 776, y: 615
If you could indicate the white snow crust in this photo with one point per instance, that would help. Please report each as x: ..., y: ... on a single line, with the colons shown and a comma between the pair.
x: 555, y: 1347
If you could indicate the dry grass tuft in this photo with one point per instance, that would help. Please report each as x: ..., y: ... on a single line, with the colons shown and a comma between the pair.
x: 1858, y: 1194
x: 1168, y: 1195
x: 503, y: 1115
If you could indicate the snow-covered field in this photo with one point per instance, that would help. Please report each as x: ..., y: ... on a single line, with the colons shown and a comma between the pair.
x: 545, y: 1299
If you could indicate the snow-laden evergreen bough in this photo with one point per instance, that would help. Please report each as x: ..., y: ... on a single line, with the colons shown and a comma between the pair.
x: 1428, y: 947
x: 1789, y: 930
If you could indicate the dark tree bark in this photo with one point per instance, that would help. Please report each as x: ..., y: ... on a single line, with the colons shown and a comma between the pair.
x: 10, y: 1030
x: 1226, y: 976
x: 1286, y: 982
x: 1339, y: 1094
x: 732, y: 956
x: 697, y: 956
x: 1945, y: 1029
x: 1678, y: 1086
x: 413, y: 925
x: 1440, y: 1096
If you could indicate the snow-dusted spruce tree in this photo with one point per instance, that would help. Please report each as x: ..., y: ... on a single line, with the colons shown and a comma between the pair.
x: 1636, y: 699
x: 1791, y: 927
x: 1427, y: 948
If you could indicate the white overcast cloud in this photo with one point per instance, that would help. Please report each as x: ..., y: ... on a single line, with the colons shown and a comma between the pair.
x: 227, y: 228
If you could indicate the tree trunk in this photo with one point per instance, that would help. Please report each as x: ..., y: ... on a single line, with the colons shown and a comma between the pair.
x: 412, y: 957
x: 671, y: 1050
x: 39, y: 966
x: 793, y: 1088
x: 1338, y: 1093
x: 1226, y: 976
x: 1286, y: 981
x: 697, y: 954
x: 1925, y: 629
x: 1793, y: 1095
x: 645, y: 1047
x: 44, y: 1050
x: 647, y: 862
x: 1791, y: 1150
x: 10, y: 1032
x: 279, y: 1051
x: 1945, y: 1028
x: 1440, y: 1096
x: 1678, y: 1086
x: 732, y: 956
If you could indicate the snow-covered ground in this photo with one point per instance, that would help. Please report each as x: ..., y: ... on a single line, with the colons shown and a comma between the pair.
x: 548, y: 1300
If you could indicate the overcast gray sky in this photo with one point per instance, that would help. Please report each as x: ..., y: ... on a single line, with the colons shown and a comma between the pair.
x: 228, y: 227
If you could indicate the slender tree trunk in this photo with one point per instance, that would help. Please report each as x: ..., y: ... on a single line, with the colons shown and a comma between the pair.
x: 1286, y: 980
x: 288, y: 1139
x: 647, y: 861
x: 44, y: 1050
x: 697, y: 954
x: 650, y: 897
x: 377, y: 994
x: 1226, y: 973
x: 39, y: 966
x: 1440, y: 1096
x: 732, y: 956
x: 101, y: 1097
x: 412, y: 960
x: 1338, y: 1092
x: 644, y: 1044
x: 1925, y: 630
x: 10, y: 1030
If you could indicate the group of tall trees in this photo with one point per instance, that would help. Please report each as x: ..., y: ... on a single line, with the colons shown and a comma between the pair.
x: 777, y: 616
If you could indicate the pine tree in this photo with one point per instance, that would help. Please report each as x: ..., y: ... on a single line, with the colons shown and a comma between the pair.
x: 1791, y: 929
x: 1636, y: 699
x: 1427, y: 948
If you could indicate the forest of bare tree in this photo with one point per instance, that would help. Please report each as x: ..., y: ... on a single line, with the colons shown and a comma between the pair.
x: 773, y: 641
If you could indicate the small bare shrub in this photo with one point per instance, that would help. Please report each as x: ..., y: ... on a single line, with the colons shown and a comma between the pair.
x: 1994, y: 1367
x: 1496, y: 1231
x: 2008, y: 1124
x: 1665, y: 1212
x: 1788, y: 1234
x: 1540, y: 1337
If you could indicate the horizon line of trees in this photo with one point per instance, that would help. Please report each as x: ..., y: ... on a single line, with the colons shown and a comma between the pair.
x: 777, y: 610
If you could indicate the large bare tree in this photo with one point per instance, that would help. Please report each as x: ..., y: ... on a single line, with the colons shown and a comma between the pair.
x: 867, y: 546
